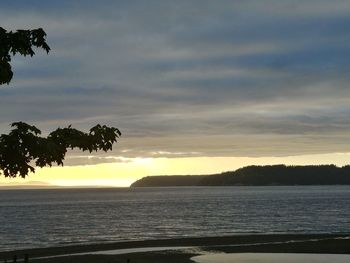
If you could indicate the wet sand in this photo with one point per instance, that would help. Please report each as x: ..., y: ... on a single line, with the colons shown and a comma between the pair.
x: 281, y: 243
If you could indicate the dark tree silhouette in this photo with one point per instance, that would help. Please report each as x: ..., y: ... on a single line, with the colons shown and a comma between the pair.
x: 19, y: 42
x: 23, y: 147
x: 258, y: 176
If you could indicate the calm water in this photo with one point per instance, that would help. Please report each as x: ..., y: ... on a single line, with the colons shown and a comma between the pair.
x: 271, y: 258
x: 37, y: 218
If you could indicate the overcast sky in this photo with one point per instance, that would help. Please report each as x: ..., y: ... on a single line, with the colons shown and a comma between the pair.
x: 187, y: 78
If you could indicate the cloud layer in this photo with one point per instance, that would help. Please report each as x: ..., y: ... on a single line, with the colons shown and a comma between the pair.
x: 188, y: 78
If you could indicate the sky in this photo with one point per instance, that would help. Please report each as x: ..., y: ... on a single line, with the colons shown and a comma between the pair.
x: 195, y: 86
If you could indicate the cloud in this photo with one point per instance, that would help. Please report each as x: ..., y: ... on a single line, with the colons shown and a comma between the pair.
x: 188, y: 78
x: 89, y: 159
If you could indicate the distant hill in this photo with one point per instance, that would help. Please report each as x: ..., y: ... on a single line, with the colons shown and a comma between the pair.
x: 172, y: 180
x: 25, y: 185
x: 257, y: 175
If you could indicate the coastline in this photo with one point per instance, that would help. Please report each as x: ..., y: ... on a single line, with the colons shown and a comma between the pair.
x: 266, y: 243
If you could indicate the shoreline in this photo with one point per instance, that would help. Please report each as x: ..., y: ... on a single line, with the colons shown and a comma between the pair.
x: 272, y: 243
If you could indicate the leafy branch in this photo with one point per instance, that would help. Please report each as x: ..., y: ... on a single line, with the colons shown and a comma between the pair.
x: 23, y: 146
x: 21, y: 42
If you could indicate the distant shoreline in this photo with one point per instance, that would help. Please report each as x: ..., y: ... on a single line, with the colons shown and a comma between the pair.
x: 268, y: 175
x: 59, y: 188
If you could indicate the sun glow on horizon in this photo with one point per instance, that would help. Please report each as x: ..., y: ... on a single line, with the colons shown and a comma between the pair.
x: 122, y: 174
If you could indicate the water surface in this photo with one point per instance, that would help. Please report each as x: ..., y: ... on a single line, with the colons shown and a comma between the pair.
x: 271, y: 258
x: 51, y: 217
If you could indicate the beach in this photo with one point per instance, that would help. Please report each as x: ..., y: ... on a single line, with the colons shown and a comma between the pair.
x: 165, y: 250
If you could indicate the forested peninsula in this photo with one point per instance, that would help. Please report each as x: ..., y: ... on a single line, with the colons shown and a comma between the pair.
x: 257, y: 176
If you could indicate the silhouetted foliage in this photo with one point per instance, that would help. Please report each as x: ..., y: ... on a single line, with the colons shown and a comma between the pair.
x: 19, y: 42
x: 23, y: 147
x: 259, y: 175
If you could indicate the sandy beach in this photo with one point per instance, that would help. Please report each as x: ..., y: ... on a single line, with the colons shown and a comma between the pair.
x: 147, y: 251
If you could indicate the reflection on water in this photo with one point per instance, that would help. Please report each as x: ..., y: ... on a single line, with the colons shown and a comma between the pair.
x: 271, y: 258
x: 37, y: 218
x: 121, y: 251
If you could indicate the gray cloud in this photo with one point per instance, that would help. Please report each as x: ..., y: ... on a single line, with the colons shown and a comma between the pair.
x: 187, y: 78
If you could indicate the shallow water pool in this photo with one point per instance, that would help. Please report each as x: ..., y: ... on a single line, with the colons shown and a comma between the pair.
x: 271, y: 258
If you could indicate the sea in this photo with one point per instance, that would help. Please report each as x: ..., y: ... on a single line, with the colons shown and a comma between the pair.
x: 32, y: 218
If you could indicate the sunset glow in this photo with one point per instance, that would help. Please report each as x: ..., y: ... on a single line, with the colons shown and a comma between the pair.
x: 122, y: 174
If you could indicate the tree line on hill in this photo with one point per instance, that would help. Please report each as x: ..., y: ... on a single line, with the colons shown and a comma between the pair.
x: 257, y: 176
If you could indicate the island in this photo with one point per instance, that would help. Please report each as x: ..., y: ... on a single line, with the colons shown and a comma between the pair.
x: 257, y: 176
